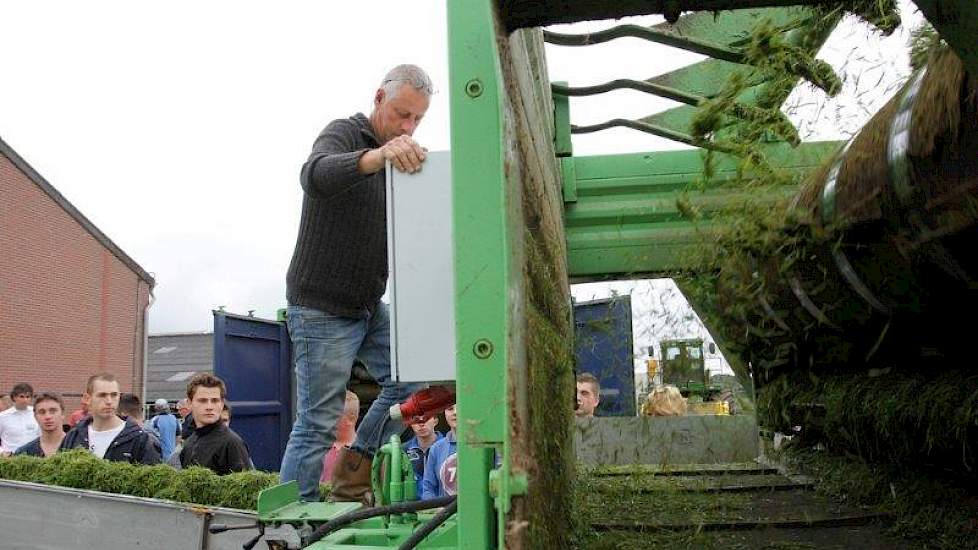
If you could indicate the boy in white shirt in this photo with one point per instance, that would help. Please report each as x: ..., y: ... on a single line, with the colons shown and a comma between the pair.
x: 18, y: 426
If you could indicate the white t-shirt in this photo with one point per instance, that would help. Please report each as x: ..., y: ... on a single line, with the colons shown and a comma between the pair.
x: 98, y: 442
x: 17, y: 428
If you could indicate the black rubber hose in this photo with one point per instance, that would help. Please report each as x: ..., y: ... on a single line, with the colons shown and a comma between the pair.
x: 427, y: 528
x: 367, y: 513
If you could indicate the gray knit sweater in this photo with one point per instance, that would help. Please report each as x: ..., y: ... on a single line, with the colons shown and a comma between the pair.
x: 340, y: 259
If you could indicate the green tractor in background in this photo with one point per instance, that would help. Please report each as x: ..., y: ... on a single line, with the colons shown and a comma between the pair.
x: 683, y: 366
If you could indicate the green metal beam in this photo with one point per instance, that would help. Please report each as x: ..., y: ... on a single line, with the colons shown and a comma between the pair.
x: 568, y: 179
x: 625, y: 220
x: 957, y: 23
x: 562, y: 132
x: 483, y: 271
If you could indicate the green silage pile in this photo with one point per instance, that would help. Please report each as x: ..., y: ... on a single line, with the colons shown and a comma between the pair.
x: 842, y: 303
x: 904, y: 419
x: 79, y: 469
x: 933, y: 510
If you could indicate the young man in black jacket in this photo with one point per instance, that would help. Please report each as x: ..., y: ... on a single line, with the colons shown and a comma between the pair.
x: 107, y: 435
x: 213, y: 445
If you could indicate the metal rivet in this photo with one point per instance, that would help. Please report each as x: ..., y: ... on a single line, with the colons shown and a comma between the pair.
x: 473, y: 88
x: 482, y: 348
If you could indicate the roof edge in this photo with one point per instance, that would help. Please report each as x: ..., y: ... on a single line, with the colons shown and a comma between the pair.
x: 87, y: 224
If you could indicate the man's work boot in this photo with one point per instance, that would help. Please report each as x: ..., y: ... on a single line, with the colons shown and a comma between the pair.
x: 351, y: 478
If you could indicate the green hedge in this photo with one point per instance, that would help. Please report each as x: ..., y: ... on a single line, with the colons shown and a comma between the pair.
x: 79, y: 469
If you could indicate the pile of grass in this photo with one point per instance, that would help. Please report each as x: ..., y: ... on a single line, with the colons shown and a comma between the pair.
x: 913, y: 256
x: 641, y: 498
x: 743, y: 291
x: 895, y: 417
x: 887, y: 387
x: 928, y: 507
x: 79, y: 469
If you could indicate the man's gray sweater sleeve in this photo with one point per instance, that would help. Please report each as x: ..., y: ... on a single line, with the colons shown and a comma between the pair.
x: 332, y: 166
x: 340, y: 259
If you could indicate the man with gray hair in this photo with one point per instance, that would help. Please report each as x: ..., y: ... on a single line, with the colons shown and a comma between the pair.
x: 337, y: 276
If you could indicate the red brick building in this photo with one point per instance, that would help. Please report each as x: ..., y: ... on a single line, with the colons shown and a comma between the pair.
x: 72, y: 303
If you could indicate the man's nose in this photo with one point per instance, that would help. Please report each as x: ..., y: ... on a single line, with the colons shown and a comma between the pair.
x: 408, y: 127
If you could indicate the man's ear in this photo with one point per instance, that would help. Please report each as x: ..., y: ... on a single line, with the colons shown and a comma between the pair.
x: 379, y: 97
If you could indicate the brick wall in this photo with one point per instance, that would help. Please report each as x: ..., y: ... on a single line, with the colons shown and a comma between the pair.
x: 68, y: 306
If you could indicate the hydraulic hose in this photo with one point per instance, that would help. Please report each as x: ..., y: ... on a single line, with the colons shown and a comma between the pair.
x: 429, y: 527
x: 367, y: 513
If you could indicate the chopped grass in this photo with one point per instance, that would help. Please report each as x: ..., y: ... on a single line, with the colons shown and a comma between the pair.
x: 933, y: 508
x: 79, y: 469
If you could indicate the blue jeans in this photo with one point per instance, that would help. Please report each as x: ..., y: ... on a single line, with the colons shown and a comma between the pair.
x: 323, y: 348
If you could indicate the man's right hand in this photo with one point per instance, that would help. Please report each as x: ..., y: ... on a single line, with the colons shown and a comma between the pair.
x: 404, y: 153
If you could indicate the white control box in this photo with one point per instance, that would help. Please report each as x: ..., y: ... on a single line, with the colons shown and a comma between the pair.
x: 422, y: 271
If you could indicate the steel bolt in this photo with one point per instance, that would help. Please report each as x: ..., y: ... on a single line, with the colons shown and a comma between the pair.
x: 482, y: 348
x: 473, y: 88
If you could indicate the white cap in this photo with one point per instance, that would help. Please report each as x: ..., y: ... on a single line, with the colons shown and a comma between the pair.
x: 162, y: 404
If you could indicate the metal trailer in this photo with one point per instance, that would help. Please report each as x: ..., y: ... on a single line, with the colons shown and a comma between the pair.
x: 42, y: 517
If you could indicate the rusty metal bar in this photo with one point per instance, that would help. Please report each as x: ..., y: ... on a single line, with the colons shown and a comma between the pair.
x: 518, y: 14
x: 641, y: 127
x: 645, y: 33
x: 629, y: 84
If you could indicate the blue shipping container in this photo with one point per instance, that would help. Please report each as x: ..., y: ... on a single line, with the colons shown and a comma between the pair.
x: 603, y: 347
x: 254, y: 358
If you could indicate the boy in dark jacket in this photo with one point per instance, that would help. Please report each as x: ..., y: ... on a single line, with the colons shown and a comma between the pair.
x: 49, y: 411
x: 213, y: 445
x: 107, y: 435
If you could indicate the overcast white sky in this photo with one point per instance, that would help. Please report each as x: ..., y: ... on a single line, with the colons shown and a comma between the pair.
x: 179, y: 128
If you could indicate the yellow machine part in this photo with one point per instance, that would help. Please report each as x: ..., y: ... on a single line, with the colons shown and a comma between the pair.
x: 711, y: 407
x: 653, y: 367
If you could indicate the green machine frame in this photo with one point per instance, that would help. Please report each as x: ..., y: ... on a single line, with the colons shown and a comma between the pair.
x: 482, y: 270
x: 617, y: 207
x: 620, y: 218
x: 619, y: 215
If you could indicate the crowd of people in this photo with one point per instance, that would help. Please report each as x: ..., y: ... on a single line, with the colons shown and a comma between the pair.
x: 110, y: 424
